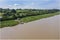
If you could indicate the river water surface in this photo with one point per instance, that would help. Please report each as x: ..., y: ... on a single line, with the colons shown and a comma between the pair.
x: 47, y: 28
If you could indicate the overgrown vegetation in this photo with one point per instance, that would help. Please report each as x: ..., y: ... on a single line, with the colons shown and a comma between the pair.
x: 8, y: 16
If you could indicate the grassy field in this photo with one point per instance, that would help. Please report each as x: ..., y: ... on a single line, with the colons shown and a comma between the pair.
x: 25, y: 20
x: 1, y: 14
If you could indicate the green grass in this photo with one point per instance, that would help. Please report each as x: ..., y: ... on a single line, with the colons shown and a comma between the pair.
x: 1, y: 14
x: 8, y: 23
x: 32, y: 18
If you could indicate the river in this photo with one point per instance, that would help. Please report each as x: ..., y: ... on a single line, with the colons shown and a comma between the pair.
x: 46, y: 28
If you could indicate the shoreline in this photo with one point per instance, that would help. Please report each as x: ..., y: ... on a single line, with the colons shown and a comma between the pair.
x: 31, y: 21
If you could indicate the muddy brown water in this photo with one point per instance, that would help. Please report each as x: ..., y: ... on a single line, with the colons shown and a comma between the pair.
x: 46, y: 28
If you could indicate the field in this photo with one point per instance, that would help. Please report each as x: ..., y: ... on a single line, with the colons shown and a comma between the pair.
x: 1, y: 14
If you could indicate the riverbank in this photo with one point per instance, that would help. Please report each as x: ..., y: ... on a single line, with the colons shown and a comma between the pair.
x: 47, y: 28
x: 25, y: 20
x: 33, y: 18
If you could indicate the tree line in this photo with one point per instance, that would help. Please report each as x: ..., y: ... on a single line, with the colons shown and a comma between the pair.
x: 11, y: 14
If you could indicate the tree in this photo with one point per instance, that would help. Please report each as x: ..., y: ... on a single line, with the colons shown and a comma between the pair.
x: 13, y: 11
x: 1, y: 10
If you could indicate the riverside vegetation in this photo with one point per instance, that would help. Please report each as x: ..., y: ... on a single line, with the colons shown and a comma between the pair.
x: 12, y: 17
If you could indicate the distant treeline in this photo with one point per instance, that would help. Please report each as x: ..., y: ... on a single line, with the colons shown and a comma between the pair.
x: 11, y: 14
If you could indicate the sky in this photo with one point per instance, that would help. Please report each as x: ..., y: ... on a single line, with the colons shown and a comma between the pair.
x: 30, y: 4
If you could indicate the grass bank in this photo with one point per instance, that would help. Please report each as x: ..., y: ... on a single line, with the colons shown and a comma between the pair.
x: 10, y: 23
x: 33, y: 18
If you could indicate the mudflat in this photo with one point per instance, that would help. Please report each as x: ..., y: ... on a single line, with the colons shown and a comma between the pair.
x: 47, y: 28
